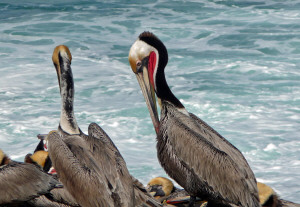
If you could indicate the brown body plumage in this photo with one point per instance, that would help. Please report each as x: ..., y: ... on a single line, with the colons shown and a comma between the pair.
x: 20, y: 183
x: 198, y: 158
x: 91, y: 182
x: 90, y: 166
x: 211, y: 168
x: 57, y: 196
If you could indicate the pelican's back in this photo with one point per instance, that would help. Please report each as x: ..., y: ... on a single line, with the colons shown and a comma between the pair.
x: 106, y: 153
x: 202, y: 161
x: 78, y: 170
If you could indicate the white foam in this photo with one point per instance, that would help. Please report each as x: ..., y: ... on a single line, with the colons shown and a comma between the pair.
x: 270, y: 147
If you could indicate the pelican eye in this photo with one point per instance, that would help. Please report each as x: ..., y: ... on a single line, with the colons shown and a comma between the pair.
x: 138, y: 63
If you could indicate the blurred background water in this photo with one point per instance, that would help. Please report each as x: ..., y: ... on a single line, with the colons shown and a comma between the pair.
x: 233, y: 63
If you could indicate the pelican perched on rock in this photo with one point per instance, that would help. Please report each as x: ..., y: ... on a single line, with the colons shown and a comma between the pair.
x: 160, y: 187
x: 197, y: 157
x: 21, y: 183
x: 90, y: 166
x: 164, y: 190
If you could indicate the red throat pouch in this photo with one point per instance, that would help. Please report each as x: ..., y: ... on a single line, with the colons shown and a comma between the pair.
x: 151, y: 67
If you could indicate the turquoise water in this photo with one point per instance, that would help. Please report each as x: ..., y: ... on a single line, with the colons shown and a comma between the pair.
x: 233, y: 63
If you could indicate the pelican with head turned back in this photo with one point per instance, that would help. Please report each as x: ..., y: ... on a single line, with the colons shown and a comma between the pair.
x: 90, y: 166
x: 197, y: 157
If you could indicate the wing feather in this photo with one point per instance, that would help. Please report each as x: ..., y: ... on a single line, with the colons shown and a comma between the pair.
x: 21, y: 182
x: 103, y: 146
x: 78, y: 170
x: 213, y: 166
x: 224, y: 145
x: 62, y: 196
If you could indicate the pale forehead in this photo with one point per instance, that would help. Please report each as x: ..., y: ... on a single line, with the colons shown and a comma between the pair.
x: 65, y: 56
x: 139, y: 50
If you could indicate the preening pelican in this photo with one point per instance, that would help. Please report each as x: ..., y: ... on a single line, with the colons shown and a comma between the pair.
x: 22, y: 182
x: 90, y: 166
x: 197, y: 157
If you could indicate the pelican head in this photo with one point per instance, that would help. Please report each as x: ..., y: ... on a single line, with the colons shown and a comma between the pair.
x: 61, y: 59
x: 267, y: 196
x: 160, y: 187
x: 147, y: 57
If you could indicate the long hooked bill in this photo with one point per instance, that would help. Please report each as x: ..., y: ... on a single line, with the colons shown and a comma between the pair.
x: 149, y: 95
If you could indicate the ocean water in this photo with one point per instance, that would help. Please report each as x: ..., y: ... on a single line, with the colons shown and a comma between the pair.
x: 235, y: 64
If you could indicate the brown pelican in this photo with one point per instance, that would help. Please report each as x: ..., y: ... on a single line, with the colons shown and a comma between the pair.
x: 160, y: 187
x: 22, y: 182
x: 197, y: 157
x: 90, y: 166
x: 164, y: 190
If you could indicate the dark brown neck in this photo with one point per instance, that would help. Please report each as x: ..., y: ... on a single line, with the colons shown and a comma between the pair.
x: 67, y: 118
x: 162, y: 89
